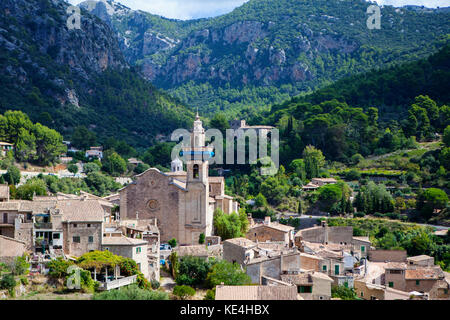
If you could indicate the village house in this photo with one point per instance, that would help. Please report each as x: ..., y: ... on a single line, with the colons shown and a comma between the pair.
x: 94, y: 152
x: 182, y: 202
x: 135, y: 249
x: 271, y: 231
x: 316, y: 183
x: 5, y: 147
x: 134, y: 161
x: 422, y: 260
x: 240, y: 127
x: 310, y: 285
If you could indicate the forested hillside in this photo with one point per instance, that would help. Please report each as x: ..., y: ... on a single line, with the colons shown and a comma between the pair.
x: 65, y: 78
x: 376, y: 112
x: 267, y: 51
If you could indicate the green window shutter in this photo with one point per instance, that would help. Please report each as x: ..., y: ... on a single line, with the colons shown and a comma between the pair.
x: 391, y: 284
x: 417, y: 282
x: 336, y: 269
x: 324, y: 268
x: 363, y: 248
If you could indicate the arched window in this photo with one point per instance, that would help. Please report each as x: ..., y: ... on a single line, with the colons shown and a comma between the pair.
x: 195, y: 173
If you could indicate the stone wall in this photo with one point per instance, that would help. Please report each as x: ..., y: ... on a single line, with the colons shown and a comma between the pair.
x: 84, y: 232
x: 309, y: 263
x: 263, y: 233
x: 368, y: 292
x: 11, y: 247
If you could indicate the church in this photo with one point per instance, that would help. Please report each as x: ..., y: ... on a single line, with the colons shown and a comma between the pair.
x: 183, y: 202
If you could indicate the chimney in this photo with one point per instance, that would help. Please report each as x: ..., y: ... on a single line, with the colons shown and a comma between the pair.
x: 267, y: 221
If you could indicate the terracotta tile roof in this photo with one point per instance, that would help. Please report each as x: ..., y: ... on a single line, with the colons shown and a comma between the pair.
x: 4, y: 191
x: 199, y: 250
x: 81, y: 210
x: 365, y: 239
x: 243, y: 242
x: 256, y: 293
x: 10, y: 205
x: 419, y: 258
x: 274, y: 225
x: 122, y: 241
x: 424, y: 273
x: 396, y: 265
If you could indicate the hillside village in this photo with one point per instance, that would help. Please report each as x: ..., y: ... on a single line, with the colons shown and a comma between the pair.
x: 162, y: 225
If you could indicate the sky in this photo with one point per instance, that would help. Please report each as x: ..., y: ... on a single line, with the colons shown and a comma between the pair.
x: 193, y: 9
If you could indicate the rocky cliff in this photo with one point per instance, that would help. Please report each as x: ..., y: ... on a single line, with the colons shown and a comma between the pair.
x: 287, y: 46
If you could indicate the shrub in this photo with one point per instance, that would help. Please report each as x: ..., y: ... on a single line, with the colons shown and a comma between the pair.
x: 227, y: 273
x: 155, y: 284
x: 183, y: 292
x: 210, y: 294
x: 192, y: 270
x: 173, y: 242
x: 8, y: 283
x: 201, y: 238
x: 21, y: 266
x: 359, y: 214
x: 343, y: 293
x: 58, y: 267
x: 24, y: 281
x: 132, y: 292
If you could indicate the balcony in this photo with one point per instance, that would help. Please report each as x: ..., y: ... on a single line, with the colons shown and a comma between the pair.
x: 43, y: 225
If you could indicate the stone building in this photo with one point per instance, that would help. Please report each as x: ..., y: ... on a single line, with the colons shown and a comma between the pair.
x: 182, y: 202
x: 271, y: 231
x: 135, y: 249
x: 82, y: 225
x: 4, y: 192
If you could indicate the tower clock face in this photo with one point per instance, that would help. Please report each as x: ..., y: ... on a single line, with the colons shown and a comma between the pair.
x: 153, y: 204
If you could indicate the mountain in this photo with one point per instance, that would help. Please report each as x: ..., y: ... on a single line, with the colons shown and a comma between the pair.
x: 64, y: 78
x: 268, y: 50
x: 370, y: 113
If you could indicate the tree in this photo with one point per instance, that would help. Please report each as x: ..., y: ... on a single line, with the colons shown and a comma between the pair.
x: 91, y: 167
x: 446, y: 136
x: 227, y: 273
x: 219, y: 122
x: 73, y: 168
x: 201, y: 238
x: 183, y: 292
x: 173, y: 242
x: 192, y: 270
x: 82, y: 138
x: 141, y: 167
x: 227, y: 226
x: 113, y: 163
x: 12, y: 175
x: 314, y: 160
x: 260, y: 201
x: 21, y: 266
x: 431, y: 199
x: 344, y: 293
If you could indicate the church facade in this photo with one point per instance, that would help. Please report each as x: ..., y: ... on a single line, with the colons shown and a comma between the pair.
x: 183, y: 202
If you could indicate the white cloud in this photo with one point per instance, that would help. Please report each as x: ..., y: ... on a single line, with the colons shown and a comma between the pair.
x: 181, y: 9
x: 192, y: 9
x: 426, y: 3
